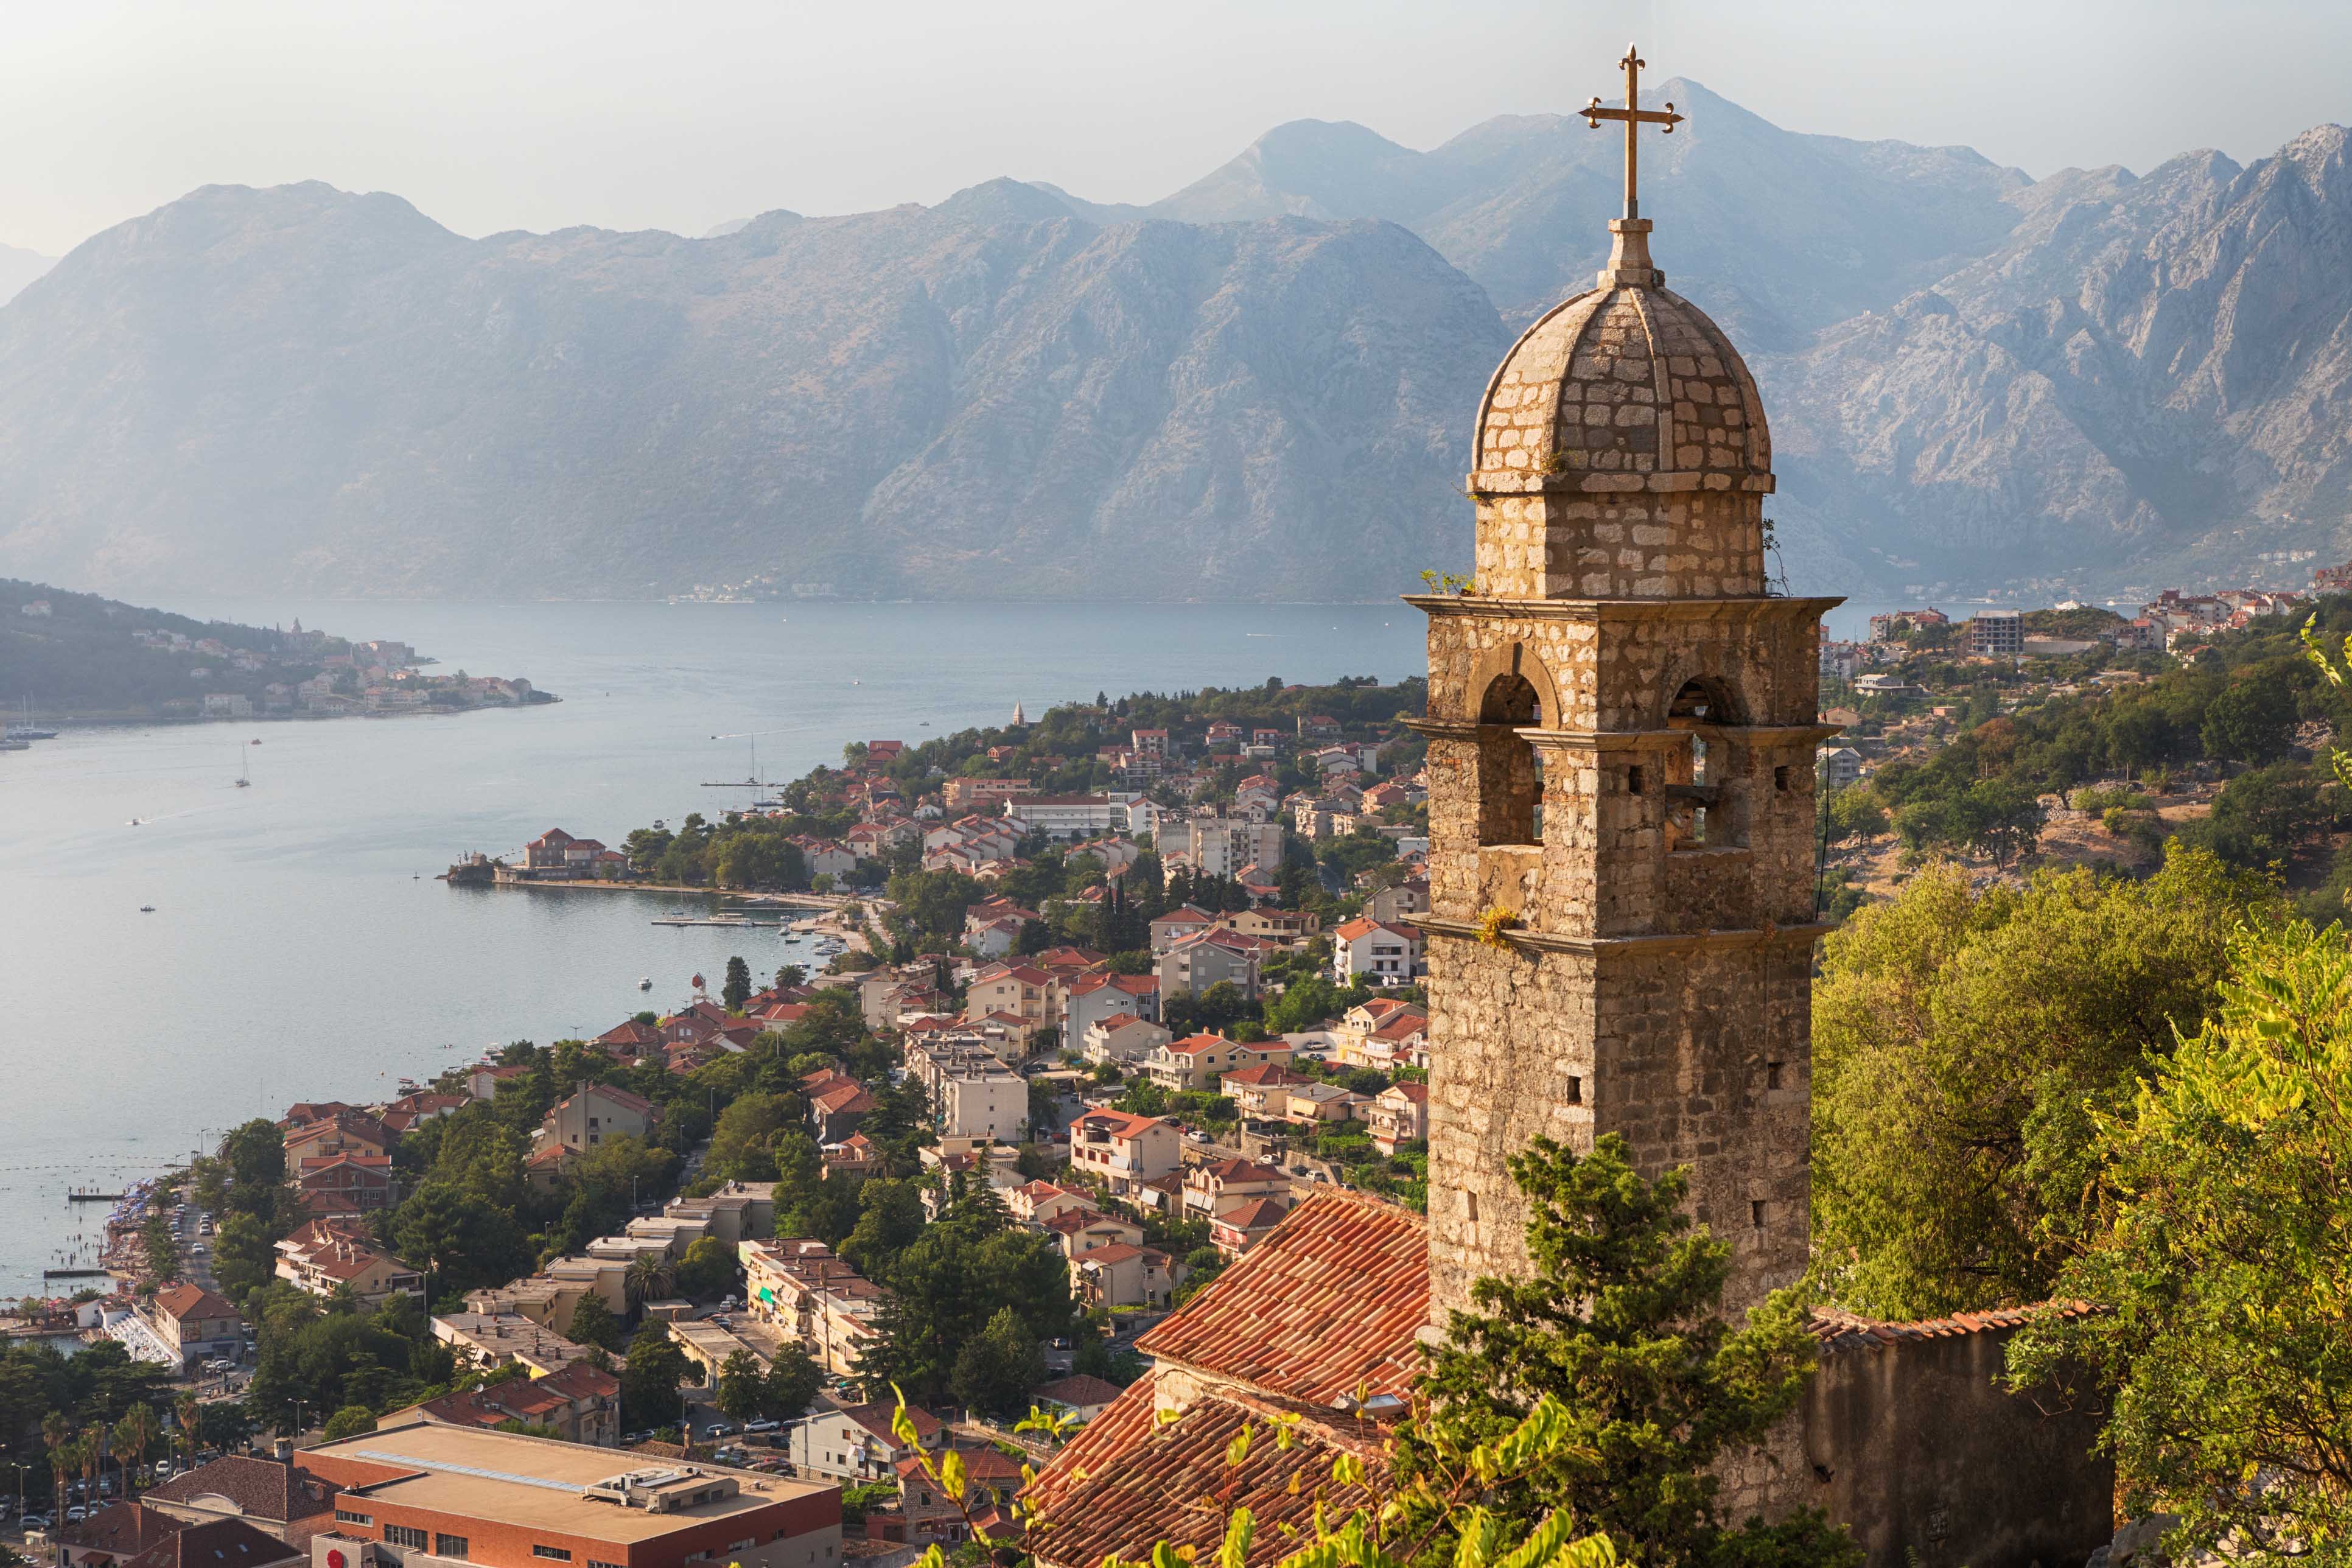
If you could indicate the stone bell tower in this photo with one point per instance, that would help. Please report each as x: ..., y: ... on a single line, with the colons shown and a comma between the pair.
x: 1622, y: 725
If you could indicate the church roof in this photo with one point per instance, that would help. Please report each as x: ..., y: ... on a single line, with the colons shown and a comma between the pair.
x: 1124, y: 1482
x: 1329, y: 1303
x: 1626, y: 381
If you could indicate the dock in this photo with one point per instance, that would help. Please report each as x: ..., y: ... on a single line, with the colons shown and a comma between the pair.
x: 73, y: 1273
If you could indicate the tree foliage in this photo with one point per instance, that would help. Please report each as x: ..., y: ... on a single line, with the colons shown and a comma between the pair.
x: 2220, y: 1261
x: 1958, y: 1039
x: 1617, y: 1330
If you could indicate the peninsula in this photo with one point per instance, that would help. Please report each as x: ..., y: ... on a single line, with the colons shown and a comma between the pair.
x: 77, y: 657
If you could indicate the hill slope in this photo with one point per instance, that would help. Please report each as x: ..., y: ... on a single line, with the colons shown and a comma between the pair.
x: 990, y: 398
x: 2150, y: 380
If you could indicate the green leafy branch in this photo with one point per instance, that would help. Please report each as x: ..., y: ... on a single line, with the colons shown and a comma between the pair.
x: 1447, y: 584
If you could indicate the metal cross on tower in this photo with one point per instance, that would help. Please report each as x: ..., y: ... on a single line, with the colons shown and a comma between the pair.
x: 1636, y: 117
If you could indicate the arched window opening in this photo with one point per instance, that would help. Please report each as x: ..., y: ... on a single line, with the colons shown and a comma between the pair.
x: 1510, y: 771
x: 1693, y: 768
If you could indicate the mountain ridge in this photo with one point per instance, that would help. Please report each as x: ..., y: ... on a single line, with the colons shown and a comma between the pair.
x: 2075, y: 384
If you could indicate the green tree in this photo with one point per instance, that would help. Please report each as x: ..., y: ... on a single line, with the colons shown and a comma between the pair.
x: 2220, y: 1261
x: 740, y: 1147
x: 739, y: 1386
x: 996, y: 1371
x: 791, y: 1386
x: 160, y: 1247
x: 889, y: 1218
x: 708, y: 1271
x: 245, y: 1255
x: 650, y: 1380
x: 1617, y: 1328
x: 592, y: 1323
x: 738, y: 987
x: 942, y: 1292
x: 1854, y: 813
x: 2251, y: 720
x: 1958, y: 1039
x: 350, y: 1422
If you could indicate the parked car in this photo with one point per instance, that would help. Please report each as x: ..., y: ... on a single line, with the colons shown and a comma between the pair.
x: 719, y: 1429
x: 76, y: 1514
x: 762, y: 1425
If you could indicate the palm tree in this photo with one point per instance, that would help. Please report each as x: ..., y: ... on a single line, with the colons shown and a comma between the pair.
x: 93, y: 1462
x: 189, y: 1410
x: 57, y: 1434
x: 649, y: 1279
x: 136, y: 1433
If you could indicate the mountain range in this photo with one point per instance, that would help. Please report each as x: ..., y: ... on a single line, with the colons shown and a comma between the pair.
x: 1258, y: 387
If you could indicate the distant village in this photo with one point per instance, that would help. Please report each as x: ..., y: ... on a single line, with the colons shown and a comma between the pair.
x: 80, y: 657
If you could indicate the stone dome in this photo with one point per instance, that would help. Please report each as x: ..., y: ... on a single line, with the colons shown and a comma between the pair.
x: 1626, y: 386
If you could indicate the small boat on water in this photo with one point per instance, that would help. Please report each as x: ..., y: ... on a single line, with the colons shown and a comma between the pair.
x: 646, y: 984
x: 146, y: 909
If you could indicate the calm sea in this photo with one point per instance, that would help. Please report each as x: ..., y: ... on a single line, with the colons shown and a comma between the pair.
x: 300, y: 947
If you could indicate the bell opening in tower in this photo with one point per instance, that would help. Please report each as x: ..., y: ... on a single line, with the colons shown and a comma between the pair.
x: 1510, y: 769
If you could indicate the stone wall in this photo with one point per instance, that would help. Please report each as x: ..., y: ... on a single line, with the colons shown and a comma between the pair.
x: 1914, y: 1447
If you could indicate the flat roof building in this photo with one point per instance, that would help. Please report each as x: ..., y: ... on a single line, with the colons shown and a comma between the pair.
x: 499, y: 1499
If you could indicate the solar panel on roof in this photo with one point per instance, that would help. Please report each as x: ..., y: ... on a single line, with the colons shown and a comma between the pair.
x: 476, y: 1471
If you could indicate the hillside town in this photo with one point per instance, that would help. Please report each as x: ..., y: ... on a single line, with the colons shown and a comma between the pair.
x: 724, y: 1200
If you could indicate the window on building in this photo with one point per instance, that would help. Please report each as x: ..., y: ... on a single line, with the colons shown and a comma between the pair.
x: 1771, y: 1075
x: 1575, y: 1092
x: 1780, y: 779
x: 1510, y: 771
x: 449, y: 1546
x: 593, y: 1563
x: 345, y: 1516
x: 1755, y: 1212
x: 553, y: 1553
x: 403, y: 1535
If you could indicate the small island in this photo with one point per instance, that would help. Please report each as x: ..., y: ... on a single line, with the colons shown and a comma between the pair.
x: 80, y: 658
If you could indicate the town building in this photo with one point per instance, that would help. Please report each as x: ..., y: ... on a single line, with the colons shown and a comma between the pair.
x: 984, y: 1102
x: 328, y: 1255
x: 1262, y: 1093
x: 1080, y: 1398
x: 1200, y: 1061
x: 594, y: 1112
x: 1125, y: 1151
x: 493, y: 1339
x: 1382, y: 953
x: 193, y: 1323
x: 855, y: 1445
x: 579, y: 1405
x: 273, y: 1495
x: 1212, y: 957
x: 1997, y: 633
x: 804, y: 1292
x: 1243, y: 1226
x: 502, y: 1499
x: 1122, y: 1275
x: 1214, y: 1186
x: 1121, y: 1040
x: 1399, y: 1115
x: 120, y: 1533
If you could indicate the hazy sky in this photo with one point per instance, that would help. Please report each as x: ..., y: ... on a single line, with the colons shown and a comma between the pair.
x: 495, y: 114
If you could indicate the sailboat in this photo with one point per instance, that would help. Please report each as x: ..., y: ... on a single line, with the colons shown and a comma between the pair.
x: 25, y: 729
x: 244, y: 770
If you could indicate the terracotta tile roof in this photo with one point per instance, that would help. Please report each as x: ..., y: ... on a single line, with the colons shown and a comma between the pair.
x: 1122, y: 1485
x: 1192, y: 1045
x: 261, y: 1489
x: 186, y: 1300
x: 1334, y: 1296
x: 846, y: 1097
x: 1271, y: 1075
x: 1839, y: 1332
x: 222, y: 1544
x: 119, y: 1530
x: 1119, y: 1123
